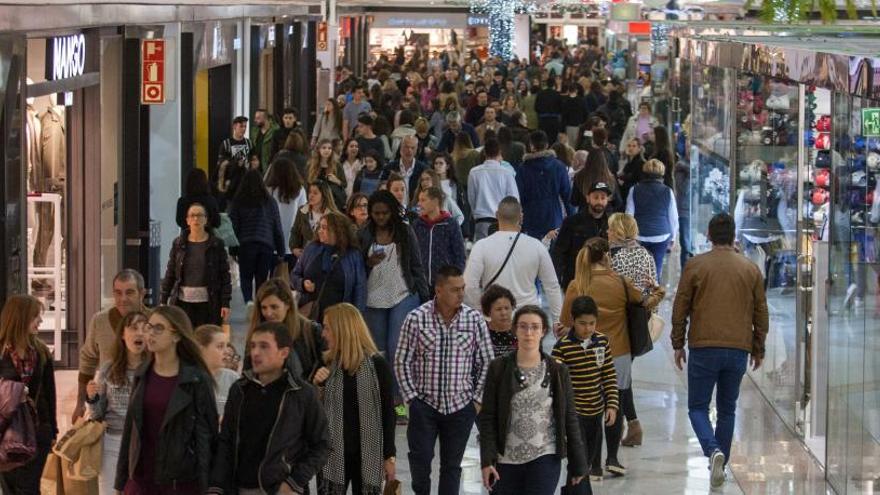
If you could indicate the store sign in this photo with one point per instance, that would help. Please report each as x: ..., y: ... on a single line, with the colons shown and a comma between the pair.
x: 153, y: 72
x: 641, y: 27
x: 477, y: 20
x: 321, y: 37
x: 68, y: 56
x: 871, y: 122
x: 409, y: 21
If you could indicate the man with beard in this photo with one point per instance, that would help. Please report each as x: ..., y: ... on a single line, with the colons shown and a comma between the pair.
x: 590, y: 222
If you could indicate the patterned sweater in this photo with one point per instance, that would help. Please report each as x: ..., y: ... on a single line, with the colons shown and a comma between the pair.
x: 592, y: 372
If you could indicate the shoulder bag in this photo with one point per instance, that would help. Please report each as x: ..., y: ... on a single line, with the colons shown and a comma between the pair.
x: 637, y: 316
x: 504, y: 264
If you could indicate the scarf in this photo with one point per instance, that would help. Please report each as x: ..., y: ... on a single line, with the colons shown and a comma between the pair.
x: 369, y: 409
x: 24, y: 365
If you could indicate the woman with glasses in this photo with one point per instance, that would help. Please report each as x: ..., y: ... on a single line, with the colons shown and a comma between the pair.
x: 197, y: 277
x: 171, y: 425
x: 356, y: 209
x: 396, y: 282
x: 528, y: 423
x: 24, y: 358
x: 108, y: 394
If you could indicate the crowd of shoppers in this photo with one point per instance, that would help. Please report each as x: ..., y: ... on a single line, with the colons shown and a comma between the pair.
x: 487, y: 206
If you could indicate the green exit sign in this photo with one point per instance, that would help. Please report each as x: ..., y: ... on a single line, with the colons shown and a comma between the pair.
x: 871, y: 122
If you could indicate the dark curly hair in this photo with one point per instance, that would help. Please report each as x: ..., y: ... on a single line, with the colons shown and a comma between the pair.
x: 493, y: 293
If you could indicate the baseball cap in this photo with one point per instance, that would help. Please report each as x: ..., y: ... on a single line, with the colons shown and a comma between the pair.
x: 601, y: 186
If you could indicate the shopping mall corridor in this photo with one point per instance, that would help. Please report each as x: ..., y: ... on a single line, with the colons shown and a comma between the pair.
x: 767, y: 458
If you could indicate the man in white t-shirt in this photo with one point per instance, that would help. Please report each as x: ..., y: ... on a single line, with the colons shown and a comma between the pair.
x: 529, y: 261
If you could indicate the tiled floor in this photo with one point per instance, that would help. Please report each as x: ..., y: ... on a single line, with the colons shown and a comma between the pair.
x: 767, y: 458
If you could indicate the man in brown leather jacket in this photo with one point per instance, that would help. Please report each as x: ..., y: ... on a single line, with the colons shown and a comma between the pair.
x: 721, y: 310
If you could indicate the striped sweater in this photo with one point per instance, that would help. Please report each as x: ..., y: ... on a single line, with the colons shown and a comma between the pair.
x: 592, y: 372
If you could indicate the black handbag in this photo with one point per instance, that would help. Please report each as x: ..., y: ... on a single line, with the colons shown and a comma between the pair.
x: 637, y: 316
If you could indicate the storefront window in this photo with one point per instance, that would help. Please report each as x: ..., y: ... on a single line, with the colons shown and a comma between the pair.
x: 854, y: 366
x: 710, y: 149
x: 765, y: 211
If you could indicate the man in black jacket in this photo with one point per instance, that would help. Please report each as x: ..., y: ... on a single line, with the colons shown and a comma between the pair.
x: 274, y: 436
x: 591, y: 221
x: 548, y: 106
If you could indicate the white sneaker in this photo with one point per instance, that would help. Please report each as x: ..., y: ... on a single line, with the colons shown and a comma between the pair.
x: 716, y: 464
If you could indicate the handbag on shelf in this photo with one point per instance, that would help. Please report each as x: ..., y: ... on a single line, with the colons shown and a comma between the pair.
x: 637, y: 317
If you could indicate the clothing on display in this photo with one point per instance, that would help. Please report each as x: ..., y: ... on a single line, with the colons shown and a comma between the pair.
x: 48, y: 176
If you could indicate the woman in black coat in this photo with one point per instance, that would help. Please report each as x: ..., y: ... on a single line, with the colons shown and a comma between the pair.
x: 24, y: 358
x: 197, y: 277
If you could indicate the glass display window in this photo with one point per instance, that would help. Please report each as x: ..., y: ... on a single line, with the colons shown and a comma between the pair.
x: 711, y: 122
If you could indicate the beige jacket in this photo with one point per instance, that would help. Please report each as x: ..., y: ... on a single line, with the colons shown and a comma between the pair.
x: 611, y: 293
x: 721, y: 303
x: 100, y: 343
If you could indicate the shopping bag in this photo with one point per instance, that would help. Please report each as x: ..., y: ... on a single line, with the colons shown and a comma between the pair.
x: 656, y: 325
x: 225, y: 232
x: 392, y: 488
x: 52, y: 482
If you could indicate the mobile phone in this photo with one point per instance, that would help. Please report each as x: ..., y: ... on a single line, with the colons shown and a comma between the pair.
x: 378, y: 249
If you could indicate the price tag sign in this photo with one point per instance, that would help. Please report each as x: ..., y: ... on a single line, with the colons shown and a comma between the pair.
x: 871, y: 122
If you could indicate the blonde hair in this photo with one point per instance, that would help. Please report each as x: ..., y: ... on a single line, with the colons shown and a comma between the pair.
x: 623, y: 225
x: 654, y: 166
x: 593, y: 252
x: 353, y: 340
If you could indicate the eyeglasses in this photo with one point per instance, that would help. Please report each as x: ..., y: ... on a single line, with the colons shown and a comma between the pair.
x: 523, y: 327
x: 154, y: 329
x: 196, y: 215
x: 361, y: 205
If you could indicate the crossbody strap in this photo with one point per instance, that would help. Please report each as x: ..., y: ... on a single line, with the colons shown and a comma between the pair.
x: 506, y: 259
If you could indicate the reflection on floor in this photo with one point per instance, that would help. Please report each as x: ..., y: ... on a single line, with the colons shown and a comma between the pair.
x: 767, y: 458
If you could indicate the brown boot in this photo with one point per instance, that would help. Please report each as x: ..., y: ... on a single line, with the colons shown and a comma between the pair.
x: 633, y: 434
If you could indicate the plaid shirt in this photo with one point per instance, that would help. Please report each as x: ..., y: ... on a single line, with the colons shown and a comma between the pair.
x: 443, y: 365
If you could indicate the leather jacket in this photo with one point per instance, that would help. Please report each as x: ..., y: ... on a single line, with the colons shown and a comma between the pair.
x: 298, y: 445
x: 494, y: 420
x: 189, y: 432
x: 217, y: 277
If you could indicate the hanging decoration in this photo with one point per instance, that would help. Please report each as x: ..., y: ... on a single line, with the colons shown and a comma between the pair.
x: 501, y: 15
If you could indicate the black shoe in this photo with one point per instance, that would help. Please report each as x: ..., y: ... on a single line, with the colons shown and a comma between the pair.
x: 596, y: 473
x: 614, y: 467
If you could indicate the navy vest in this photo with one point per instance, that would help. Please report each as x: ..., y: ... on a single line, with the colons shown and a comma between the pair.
x: 651, y: 200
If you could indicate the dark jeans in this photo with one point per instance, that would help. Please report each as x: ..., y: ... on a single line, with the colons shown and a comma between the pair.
x: 25, y: 480
x: 255, y: 261
x: 658, y: 251
x: 684, y: 238
x: 613, y: 434
x: 538, y: 477
x: 592, y: 430
x: 707, y: 368
x: 199, y: 313
x: 426, y: 424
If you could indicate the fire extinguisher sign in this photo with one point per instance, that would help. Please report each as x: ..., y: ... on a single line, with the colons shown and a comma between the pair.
x: 153, y: 73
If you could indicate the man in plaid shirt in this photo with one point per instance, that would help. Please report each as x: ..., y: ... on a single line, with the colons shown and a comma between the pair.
x: 441, y: 362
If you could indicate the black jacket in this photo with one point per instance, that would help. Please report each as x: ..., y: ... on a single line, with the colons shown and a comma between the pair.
x: 494, y: 419
x: 216, y: 273
x: 298, y: 446
x: 188, y: 436
x: 41, y: 389
x: 576, y: 229
x: 410, y: 260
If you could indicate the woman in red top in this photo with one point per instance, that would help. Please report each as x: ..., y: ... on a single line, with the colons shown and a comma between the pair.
x: 171, y: 425
x: 24, y: 358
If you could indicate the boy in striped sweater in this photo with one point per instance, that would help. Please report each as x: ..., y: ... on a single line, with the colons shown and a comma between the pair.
x: 586, y: 354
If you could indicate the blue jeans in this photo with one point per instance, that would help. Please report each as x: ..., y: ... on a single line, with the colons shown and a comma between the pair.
x: 538, y: 477
x: 707, y: 368
x: 426, y: 424
x: 385, y: 323
x: 255, y: 261
x: 658, y: 251
x: 684, y: 239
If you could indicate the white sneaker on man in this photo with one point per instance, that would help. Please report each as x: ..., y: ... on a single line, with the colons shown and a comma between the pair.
x: 716, y: 465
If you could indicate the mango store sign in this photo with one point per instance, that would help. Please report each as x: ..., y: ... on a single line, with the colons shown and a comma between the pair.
x: 68, y: 56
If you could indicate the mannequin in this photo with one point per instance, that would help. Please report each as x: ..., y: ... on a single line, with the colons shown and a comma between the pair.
x: 50, y: 177
x: 34, y: 148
